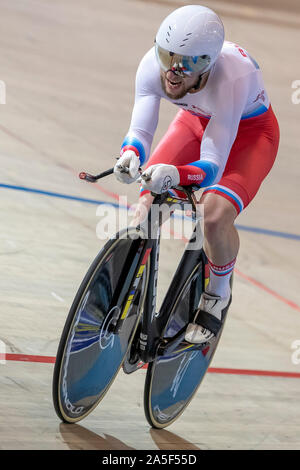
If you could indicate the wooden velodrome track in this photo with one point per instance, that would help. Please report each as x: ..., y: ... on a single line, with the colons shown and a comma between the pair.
x: 69, y: 69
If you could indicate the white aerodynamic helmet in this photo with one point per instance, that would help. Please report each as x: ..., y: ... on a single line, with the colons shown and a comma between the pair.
x: 189, y: 40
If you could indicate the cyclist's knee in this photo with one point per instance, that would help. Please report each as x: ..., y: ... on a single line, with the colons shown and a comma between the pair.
x: 142, y: 208
x: 219, y: 216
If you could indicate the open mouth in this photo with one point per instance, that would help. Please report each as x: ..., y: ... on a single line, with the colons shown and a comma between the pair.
x: 174, y: 85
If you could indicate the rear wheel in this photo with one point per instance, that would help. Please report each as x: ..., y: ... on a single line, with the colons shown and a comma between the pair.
x: 99, y: 328
x: 173, y: 378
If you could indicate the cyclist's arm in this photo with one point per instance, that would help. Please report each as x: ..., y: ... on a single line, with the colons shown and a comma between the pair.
x: 219, y: 135
x: 145, y: 112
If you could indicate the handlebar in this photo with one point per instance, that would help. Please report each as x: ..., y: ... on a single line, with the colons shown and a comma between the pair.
x: 93, y: 178
x: 188, y: 190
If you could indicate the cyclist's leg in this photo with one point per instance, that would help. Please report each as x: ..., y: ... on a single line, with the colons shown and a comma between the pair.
x: 251, y: 158
x: 221, y: 241
x: 179, y: 146
x: 142, y: 208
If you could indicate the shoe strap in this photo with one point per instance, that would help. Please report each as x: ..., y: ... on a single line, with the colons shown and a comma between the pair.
x: 208, y: 321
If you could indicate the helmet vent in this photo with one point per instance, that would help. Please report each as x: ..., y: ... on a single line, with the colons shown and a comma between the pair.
x: 186, y: 39
x: 168, y: 34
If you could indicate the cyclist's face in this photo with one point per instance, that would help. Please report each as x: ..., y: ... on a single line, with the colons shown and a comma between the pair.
x: 177, y: 86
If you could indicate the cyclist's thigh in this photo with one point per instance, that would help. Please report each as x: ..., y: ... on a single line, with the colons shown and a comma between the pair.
x: 250, y: 160
x: 181, y: 143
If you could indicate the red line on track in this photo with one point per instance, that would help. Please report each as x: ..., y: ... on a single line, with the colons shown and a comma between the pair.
x: 266, y: 373
x: 267, y: 289
x: 213, y: 370
x: 17, y: 137
x: 27, y: 358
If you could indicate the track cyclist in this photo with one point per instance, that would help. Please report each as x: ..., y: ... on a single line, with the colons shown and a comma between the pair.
x: 223, y: 139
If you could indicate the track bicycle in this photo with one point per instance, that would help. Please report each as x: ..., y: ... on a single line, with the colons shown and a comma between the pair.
x: 113, y: 323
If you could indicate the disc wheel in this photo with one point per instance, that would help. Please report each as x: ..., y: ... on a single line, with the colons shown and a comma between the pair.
x: 173, y: 379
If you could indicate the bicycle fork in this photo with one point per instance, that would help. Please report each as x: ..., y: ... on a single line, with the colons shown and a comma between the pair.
x: 129, y: 286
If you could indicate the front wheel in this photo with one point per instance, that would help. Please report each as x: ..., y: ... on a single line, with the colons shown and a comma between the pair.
x: 99, y: 328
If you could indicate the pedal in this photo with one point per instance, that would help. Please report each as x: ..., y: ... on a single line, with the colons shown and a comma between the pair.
x: 180, y: 345
x: 167, y: 346
x: 130, y: 365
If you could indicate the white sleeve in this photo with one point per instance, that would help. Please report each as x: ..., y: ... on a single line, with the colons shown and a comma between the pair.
x: 221, y: 131
x: 145, y: 112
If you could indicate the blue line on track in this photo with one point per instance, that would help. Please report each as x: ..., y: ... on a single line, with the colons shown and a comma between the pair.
x: 272, y: 233
x: 59, y: 195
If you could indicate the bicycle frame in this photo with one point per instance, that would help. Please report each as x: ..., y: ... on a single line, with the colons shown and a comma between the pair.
x: 147, y: 248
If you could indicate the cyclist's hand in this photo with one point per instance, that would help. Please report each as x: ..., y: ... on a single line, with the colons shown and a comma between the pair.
x: 159, y: 178
x: 126, y: 169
